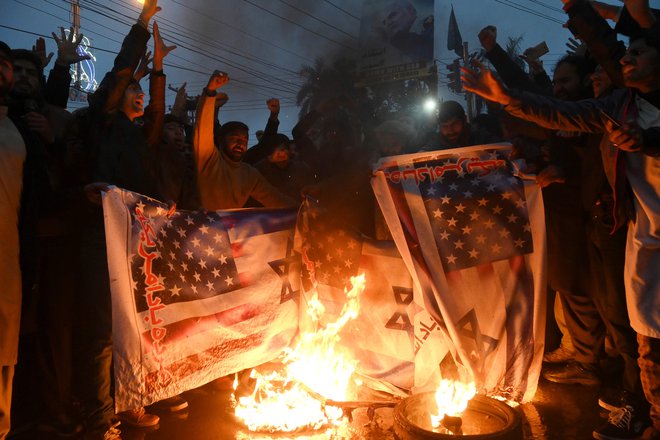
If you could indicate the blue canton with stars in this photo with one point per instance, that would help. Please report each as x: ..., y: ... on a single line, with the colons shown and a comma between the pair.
x: 478, y: 216
x: 194, y: 255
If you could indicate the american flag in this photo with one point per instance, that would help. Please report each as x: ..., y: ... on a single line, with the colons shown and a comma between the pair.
x: 195, y: 294
x: 381, y: 338
x: 195, y: 257
x: 477, y: 218
x: 473, y: 237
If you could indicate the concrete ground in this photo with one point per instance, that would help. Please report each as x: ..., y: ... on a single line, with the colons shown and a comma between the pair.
x: 562, y: 412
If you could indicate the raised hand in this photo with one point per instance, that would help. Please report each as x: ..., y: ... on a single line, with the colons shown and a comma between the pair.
x: 143, y: 68
x: 160, y: 49
x: 67, y: 49
x: 576, y: 47
x: 483, y: 83
x: 273, y: 105
x: 217, y: 80
x: 181, y: 98
x: 39, y: 50
x: 488, y: 37
x: 149, y: 9
x: 535, y: 64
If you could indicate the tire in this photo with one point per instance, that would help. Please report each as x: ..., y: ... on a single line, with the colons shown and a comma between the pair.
x: 510, y: 419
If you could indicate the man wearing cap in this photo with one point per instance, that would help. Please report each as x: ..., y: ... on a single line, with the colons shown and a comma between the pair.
x: 225, y: 182
x: 12, y: 157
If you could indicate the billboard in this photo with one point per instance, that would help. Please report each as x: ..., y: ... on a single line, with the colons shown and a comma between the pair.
x: 396, y: 40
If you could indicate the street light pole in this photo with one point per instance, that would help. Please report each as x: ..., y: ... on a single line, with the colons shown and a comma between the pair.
x: 75, y: 23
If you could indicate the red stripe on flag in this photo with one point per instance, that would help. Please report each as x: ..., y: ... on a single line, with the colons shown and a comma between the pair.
x: 245, y: 279
x: 179, y: 370
x: 454, y: 277
x: 192, y: 326
x: 237, y: 249
x: 184, y: 367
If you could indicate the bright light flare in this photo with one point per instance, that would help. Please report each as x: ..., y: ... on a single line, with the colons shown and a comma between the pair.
x: 430, y: 105
x: 288, y: 400
x: 452, y: 399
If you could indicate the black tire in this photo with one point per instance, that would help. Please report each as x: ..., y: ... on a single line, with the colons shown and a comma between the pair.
x: 404, y: 429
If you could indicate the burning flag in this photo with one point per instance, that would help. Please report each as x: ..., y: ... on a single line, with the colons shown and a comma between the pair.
x: 316, y: 371
x: 473, y: 236
x: 196, y: 295
x: 382, y: 338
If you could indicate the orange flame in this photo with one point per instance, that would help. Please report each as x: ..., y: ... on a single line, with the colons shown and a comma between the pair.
x: 452, y: 399
x: 288, y: 400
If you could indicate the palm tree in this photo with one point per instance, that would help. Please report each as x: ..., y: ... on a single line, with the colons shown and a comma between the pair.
x: 308, y: 94
x: 323, y: 82
x: 513, y: 50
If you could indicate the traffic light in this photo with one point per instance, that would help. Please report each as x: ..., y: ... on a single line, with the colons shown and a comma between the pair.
x: 454, y: 75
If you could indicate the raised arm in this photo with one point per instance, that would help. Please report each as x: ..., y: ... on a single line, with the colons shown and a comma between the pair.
x: 510, y: 72
x: 59, y: 79
x: 258, y: 152
x: 107, y: 98
x: 583, y: 116
x: 203, y: 145
x: 600, y: 38
x: 154, y: 114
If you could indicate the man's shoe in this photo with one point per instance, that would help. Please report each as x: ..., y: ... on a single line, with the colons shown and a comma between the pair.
x: 559, y: 356
x: 612, y: 401
x: 622, y: 424
x: 103, y: 432
x: 173, y: 404
x: 139, y: 418
x: 572, y: 373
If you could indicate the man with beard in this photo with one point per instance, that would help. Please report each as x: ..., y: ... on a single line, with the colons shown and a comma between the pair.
x: 224, y: 180
x: 456, y: 131
x: 48, y: 245
x: 176, y: 175
x: 635, y: 141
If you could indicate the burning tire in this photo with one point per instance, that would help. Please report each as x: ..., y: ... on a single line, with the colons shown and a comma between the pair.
x: 484, y: 418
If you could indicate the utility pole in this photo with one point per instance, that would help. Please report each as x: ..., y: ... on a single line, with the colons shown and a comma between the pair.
x: 469, y: 97
x: 75, y: 23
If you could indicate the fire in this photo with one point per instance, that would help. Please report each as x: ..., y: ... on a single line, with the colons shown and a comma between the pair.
x: 452, y: 399
x: 316, y: 369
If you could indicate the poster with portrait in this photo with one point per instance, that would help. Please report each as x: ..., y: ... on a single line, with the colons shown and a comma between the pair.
x: 396, y: 40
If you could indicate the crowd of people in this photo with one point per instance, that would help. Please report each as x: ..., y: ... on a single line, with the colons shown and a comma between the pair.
x: 590, y: 135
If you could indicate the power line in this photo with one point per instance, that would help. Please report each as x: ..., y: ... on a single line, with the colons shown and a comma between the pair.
x: 317, y: 19
x: 519, y: 7
x: 197, y: 50
x: 341, y: 9
x: 100, y: 49
x: 215, y: 20
x: 200, y: 51
x: 204, y: 39
x: 299, y: 25
x: 236, y: 82
x: 552, y: 8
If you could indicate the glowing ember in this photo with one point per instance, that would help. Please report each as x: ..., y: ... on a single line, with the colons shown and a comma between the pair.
x: 288, y: 400
x: 452, y: 399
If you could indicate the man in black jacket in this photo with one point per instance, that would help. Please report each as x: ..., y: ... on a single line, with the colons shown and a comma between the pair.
x: 634, y: 143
